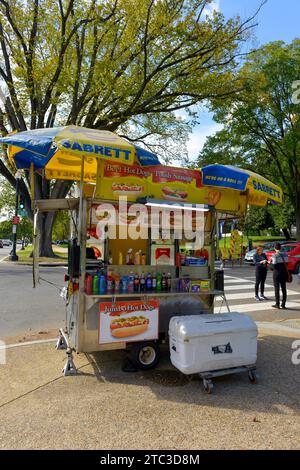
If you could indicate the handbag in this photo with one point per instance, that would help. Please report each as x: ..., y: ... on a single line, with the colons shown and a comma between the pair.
x: 289, y: 277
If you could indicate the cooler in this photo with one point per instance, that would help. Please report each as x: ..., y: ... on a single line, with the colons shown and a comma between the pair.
x: 212, y: 342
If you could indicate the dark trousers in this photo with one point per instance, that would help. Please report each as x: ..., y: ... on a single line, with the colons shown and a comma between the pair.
x: 279, y: 280
x: 261, y: 275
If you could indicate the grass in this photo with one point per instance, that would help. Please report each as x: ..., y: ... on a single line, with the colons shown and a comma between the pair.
x: 25, y: 255
x: 256, y: 239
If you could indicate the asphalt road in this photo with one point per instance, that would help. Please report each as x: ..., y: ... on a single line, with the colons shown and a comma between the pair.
x: 24, y: 309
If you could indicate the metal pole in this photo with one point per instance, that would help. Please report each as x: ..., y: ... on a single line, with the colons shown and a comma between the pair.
x: 14, y: 256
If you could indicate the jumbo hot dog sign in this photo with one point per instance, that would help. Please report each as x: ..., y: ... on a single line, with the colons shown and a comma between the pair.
x: 128, y: 321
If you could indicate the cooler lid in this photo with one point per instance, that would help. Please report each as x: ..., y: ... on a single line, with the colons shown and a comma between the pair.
x: 192, y: 326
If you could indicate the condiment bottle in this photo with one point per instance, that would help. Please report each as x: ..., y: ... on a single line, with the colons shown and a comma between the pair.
x: 137, y: 257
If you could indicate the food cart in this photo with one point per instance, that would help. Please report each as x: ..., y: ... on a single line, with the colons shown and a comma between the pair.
x: 144, y: 237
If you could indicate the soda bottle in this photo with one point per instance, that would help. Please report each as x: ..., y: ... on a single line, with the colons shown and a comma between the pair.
x: 154, y: 281
x: 158, y: 282
x: 96, y: 284
x: 110, y: 284
x: 169, y: 282
x: 131, y: 282
x: 164, y: 282
x: 102, y: 285
x: 89, y: 285
x: 136, y: 283
x: 149, y: 282
x: 124, y: 284
x: 117, y: 283
x: 142, y: 282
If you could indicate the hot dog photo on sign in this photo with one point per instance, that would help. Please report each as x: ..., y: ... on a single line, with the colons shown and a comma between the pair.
x: 128, y: 321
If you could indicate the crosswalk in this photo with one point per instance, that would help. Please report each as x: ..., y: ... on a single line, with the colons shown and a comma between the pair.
x: 240, y: 296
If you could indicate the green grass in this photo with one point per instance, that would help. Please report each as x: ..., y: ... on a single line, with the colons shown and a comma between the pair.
x: 25, y: 255
x: 256, y: 239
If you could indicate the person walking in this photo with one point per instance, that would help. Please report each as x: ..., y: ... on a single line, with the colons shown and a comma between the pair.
x: 279, y: 262
x: 261, y: 267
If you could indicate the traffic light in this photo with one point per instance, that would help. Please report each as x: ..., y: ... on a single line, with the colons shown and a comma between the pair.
x: 21, y: 202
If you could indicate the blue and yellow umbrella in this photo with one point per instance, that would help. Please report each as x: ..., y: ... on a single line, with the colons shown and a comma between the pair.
x: 260, y: 190
x: 59, y: 151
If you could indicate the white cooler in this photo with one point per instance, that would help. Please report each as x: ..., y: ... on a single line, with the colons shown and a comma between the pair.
x: 202, y: 343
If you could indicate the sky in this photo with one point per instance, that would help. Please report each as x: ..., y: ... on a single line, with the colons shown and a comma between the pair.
x: 277, y: 20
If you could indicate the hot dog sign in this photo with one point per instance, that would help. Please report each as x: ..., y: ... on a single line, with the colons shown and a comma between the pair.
x: 128, y: 321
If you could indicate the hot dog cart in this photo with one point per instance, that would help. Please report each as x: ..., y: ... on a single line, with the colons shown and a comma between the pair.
x: 143, y: 238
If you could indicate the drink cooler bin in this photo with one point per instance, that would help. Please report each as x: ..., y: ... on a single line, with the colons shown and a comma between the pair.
x: 213, y: 345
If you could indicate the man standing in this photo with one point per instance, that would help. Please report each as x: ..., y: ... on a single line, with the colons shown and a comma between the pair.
x: 279, y: 261
x: 261, y: 263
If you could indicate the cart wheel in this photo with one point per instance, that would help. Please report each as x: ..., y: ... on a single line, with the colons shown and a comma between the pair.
x: 252, y: 376
x: 208, y: 386
x: 145, y: 355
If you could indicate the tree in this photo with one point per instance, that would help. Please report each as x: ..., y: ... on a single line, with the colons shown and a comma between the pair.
x: 116, y: 65
x: 61, y: 228
x: 257, y: 220
x: 24, y: 229
x: 261, y: 123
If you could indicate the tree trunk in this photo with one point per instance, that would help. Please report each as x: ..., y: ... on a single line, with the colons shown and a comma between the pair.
x: 286, y: 233
x: 45, y: 225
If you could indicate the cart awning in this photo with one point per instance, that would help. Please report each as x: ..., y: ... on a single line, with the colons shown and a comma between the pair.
x: 260, y: 190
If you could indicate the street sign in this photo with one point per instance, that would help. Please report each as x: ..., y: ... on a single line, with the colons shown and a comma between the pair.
x: 16, y: 220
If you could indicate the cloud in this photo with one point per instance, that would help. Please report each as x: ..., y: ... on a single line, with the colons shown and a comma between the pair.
x: 210, y: 8
x: 198, y: 138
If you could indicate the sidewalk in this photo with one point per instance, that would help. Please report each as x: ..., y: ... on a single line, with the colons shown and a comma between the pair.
x: 105, y: 408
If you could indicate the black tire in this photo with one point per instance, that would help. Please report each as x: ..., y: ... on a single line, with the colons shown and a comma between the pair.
x: 145, y: 355
x: 297, y: 269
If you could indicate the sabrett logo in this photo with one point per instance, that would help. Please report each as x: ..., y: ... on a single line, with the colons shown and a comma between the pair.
x: 112, y: 152
x: 266, y: 189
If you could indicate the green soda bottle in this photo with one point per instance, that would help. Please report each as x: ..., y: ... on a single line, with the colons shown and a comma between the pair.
x: 96, y: 285
x: 158, y: 282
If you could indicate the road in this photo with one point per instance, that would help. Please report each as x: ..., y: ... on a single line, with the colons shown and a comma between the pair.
x: 239, y: 291
x: 24, y: 309
x: 4, y: 252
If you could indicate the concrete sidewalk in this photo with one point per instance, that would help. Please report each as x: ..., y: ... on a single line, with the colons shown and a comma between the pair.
x: 105, y: 408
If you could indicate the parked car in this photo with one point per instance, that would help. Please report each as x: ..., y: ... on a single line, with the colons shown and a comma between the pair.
x: 293, y: 251
x: 7, y: 242
x: 249, y: 256
x: 1, y: 244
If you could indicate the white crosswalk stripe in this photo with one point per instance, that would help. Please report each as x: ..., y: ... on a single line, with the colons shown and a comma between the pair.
x: 249, y: 287
x: 240, y: 296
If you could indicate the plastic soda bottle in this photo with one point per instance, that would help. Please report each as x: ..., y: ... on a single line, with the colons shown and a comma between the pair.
x: 125, y: 284
x: 102, y: 285
x: 149, y: 282
x: 154, y: 281
x: 89, y: 284
x: 110, y: 283
x: 164, y: 282
x: 96, y: 284
x: 131, y: 282
x: 158, y: 282
x: 169, y: 282
x: 142, y: 282
x: 117, y: 283
x: 136, y: 283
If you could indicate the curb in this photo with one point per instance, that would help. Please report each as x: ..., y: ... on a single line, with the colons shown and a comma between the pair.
x: 278, y: 327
